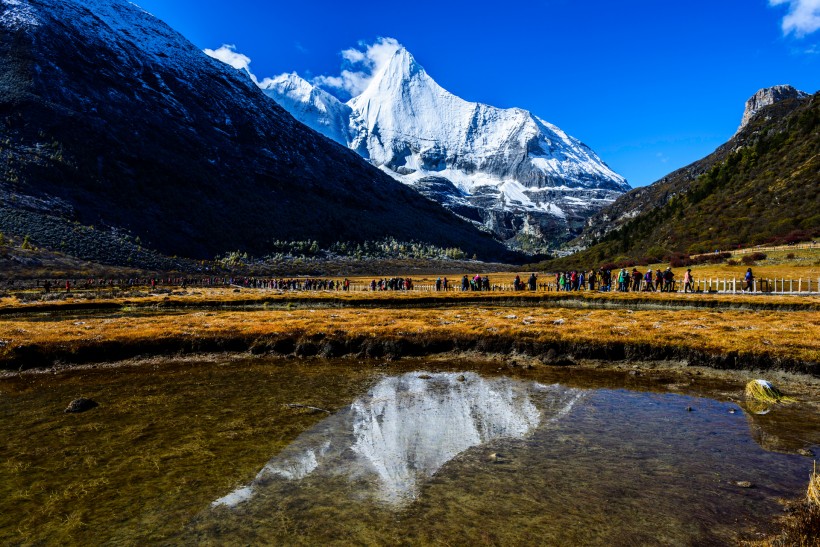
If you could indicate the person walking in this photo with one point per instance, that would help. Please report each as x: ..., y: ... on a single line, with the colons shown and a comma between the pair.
x: 749, y: 279
x: 668, y: 280
x: 687, y: 281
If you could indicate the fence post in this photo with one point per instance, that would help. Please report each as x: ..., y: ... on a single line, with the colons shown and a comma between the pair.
x: 791, y: 285
x: 754, y: 285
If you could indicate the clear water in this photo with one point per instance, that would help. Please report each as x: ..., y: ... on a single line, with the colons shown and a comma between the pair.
x: 421, y: 453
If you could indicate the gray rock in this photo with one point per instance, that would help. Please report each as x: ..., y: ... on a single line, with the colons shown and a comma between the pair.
x: 766, y: 97
x: 80, y: 405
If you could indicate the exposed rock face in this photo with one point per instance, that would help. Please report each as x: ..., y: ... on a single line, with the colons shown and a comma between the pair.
x: 766, y: 97
x: 111, y: 118
x: 504, y: 163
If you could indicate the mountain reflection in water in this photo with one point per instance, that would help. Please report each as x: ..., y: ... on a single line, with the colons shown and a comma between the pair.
x: 407, y: 427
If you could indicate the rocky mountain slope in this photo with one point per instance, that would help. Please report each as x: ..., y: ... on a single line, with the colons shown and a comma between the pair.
x: 110, y: 121
x: 518, y: 175
x: 760, y: 186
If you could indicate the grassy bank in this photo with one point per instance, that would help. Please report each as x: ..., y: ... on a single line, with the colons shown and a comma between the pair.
x: 719, y: 338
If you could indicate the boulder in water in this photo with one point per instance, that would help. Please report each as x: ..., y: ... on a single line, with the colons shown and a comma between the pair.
x: 80, y: 405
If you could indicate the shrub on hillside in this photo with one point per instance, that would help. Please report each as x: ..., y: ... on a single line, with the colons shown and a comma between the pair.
x: 752, y: 258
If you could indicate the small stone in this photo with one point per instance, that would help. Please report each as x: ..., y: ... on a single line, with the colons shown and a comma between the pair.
x: 744, y: 484
x: 495, y: 457
x: 424, y: 376
x: 634, y: 373
x: 732, y: 411
x: 806, y: 452
x: 80, y: 405
x: 461, y: 378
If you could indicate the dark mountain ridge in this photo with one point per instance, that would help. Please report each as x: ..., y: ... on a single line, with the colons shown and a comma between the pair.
x: 110, y: 119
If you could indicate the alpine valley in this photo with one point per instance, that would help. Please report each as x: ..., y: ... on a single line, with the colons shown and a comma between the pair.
x: 524, y: 179
x: 120, y: 137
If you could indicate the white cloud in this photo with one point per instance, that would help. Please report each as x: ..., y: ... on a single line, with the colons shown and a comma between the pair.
x: 353, y: 55
x: 360, y: 65
x: 803, y: 17
x: 228, y: 55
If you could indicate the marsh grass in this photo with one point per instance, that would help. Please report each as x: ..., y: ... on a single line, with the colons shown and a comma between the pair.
x: 36, y: 341
x: 764, y: 392
x: 813, y: 492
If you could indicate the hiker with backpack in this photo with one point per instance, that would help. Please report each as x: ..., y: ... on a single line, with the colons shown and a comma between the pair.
x: 647, y: 278
x: 636, y: 279
x: 668, y: 280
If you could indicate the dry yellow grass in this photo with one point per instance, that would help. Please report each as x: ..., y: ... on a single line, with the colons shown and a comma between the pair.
x: 794, y: 335
x: 813, y: 493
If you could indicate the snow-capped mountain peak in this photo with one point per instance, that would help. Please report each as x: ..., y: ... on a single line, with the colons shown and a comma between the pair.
x: 507, y: 168
x: 311, y: 105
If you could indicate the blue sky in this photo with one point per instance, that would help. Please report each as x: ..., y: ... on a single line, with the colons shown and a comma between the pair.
x: 650, y: 85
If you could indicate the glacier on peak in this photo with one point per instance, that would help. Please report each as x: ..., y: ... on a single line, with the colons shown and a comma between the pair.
x: 513, y: 169
x: 311, y: 105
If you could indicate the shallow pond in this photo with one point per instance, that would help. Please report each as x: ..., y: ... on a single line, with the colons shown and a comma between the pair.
x: 289, y: 452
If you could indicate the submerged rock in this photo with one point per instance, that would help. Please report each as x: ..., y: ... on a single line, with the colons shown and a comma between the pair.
x: 80, y: 405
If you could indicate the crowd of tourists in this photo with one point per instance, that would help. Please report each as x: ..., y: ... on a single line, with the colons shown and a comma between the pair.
x: 392, y: 284
x: 602, y: 279
x: 621, y: 280
x: 288, y: 284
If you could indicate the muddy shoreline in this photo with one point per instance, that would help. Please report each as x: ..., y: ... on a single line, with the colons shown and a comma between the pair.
x: 402, y: 301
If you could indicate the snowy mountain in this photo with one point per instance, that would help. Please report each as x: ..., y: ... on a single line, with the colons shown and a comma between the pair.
x: 518, y: 175
x: 112, y: 121
x: 311, y: 105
